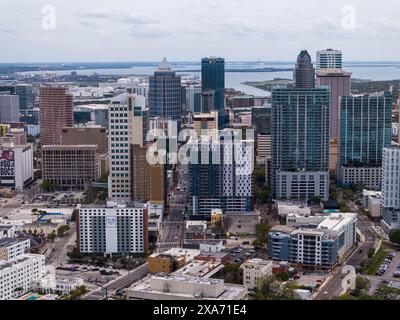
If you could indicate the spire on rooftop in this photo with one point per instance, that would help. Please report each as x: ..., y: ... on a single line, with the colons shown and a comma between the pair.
x: 164, y: 65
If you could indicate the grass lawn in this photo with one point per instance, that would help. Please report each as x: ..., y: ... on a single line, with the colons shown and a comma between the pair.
x: 373, y: 264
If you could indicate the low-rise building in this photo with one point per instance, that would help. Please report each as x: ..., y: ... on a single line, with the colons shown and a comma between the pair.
x: 171, y: 260
x: 50, y: 283
x: 11, y: 248
x: 17, y: 275
x: 181, y: 287
x: 285, y: 208
x: 212, y: 247
x: 241, y: 222
x: 253, y: 270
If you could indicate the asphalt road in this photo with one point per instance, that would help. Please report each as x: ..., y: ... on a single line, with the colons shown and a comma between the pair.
x: 60, y: 248
x: 120, y: 283
x: 173, y: 228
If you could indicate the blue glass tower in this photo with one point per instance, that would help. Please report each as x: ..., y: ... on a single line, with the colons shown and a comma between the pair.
x: 213, y: 79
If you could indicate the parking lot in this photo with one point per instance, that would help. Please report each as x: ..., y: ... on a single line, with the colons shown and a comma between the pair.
x: 94, y: 277
x: 390, y: 266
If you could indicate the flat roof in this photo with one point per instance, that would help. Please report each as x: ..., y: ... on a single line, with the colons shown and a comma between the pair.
x: 336, y: 221
x: 10, y: 241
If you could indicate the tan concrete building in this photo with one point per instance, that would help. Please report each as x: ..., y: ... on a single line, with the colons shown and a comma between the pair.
x: 88, y: 135
x: 56, y: 113
x: 165, y: 263
x: 70, y: 167
x: 148, y: 181
x: 206, y: 121
x: 333, y: 155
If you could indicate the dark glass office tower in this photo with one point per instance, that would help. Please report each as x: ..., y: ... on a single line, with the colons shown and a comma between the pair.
x: 165, y: 96
x: 304, y: 73
x: 213, y: 79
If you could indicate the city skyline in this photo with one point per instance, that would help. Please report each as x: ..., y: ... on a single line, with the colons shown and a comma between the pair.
x: 273, y: 31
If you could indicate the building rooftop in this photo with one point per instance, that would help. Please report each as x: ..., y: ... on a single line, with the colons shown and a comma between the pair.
x: 22, y: 258
x: 190, y: 254
x: 256, y: 264
x: 336, y: 221
x: 5, y: 242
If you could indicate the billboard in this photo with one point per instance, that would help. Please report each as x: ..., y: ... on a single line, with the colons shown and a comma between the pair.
x: 7, y: 163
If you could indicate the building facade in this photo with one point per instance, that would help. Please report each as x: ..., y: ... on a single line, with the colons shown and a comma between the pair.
x: 320, y: 246
x: 391, y: 188
x: 213, y: 79
x: 329, y: 59
x: 113, y: 229
x: 365, y: 129
x: 56, y: 113
x: 70, y: 167
x: 129, y: 124
x: 304, y: 72
x: 9, y: 108
x: 165, y: 96
x: 16, y: 166
x: 222, y: 178
x: 340, y: 85
x: 300, y: 143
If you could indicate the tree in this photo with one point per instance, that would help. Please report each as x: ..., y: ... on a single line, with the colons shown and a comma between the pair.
x: 74, y: 214
x: 62, y: 230
x: 262, y: 230
x: 282, y: 276
x: 77, y: 293
x: 232, y: 273
x: 395, y: 237
x: 269, y: 288
x: 51, y: 237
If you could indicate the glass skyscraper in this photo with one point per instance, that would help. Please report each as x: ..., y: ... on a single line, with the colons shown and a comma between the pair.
x: 300, y: 142
x: 165, y: 93
x: 365, y: 129
x: 213, y: 79
x: 304, y: 72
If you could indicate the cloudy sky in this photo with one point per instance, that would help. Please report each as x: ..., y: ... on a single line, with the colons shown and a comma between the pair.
x: 147, y: 30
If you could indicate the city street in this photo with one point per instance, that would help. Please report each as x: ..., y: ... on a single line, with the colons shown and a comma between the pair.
x: 173, y: 228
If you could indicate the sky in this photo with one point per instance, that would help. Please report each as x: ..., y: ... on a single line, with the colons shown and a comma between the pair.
x: 187, y: 30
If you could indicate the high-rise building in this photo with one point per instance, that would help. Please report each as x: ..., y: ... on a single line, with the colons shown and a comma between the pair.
x: 9, y: 108
x: 213, y: 79
x: 113, y: 229
x: 261, y: 119
x: 391, y: 188
x: 148, y: 181
x: 304, y: 72
x: 56, y: 113
x: 165, y: 96
x: 129, y: 123
x: 365, y: 129
x: 223, y: 177
x: 329, y: 59
x: 300, y: 142
x: 340, y: 84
